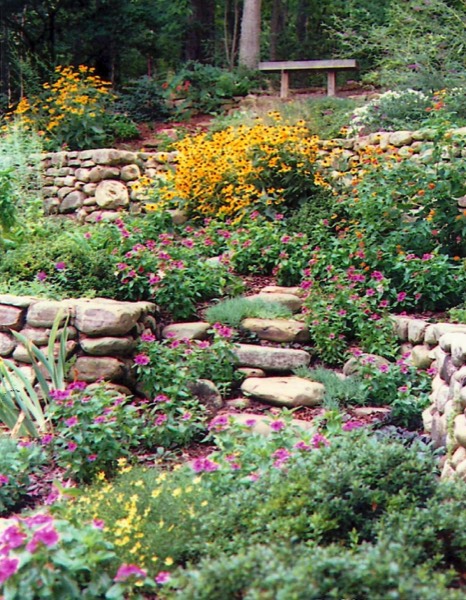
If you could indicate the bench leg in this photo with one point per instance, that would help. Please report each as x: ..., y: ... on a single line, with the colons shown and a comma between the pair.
x: 331, y: 83
x: 284, y: 85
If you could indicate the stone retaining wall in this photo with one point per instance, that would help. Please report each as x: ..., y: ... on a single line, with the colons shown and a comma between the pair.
x: 96, y: 184
x: 102, y: 333
x: 442, y: 346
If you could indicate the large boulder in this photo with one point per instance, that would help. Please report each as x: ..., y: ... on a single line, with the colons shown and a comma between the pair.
x: 277, y: 330
x: 111, y: 194
x: 284, y: 391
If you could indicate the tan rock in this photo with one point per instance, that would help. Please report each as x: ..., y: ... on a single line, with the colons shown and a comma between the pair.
x: 352, y: 366
x: 107, y: 318
x: 416, y: 330
x: 44, y: 312
x: 111, y: 194
x: 459, y: 430
x: 401, y: 138
x: 420, y: 357
x: 100, y: 173
x: 269, y: 358
x: 435, y: 331
x: 11, y: 317
x: 294, y: 303
x: 250, y: 372
x: 18, y: 301
x: 277, y: 330
x: 190, y: 331
x: 280, y: 289
x: 7, y: 344
x: 91, y: 369
x: 130, y: 173
x: 284, y: 391
x: 107, y: 346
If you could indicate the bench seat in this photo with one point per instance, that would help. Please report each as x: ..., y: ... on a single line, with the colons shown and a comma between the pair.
x: 331, y: 67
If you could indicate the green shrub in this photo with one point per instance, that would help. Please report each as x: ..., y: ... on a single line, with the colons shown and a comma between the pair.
x: 339, y: 391
x: 142, y: 100
x: 233, y: 310
x: 17, y: 462
x: 276, y: 572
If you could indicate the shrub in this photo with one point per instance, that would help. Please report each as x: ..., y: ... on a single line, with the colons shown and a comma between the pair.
x: 338, y: 391
x: 17, y: 462
x: 93, y: 429
x: 142, y: 100
x: 71, y: 111
x: 228, y: 173
x: 233, y: 310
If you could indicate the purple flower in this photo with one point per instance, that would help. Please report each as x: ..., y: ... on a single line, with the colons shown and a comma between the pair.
x: 41, y: 276
x: 219, y: 423
x: 100, y: 419
x: 38, y: 519
x: 60, y: 266
x: 160, y: 420
x: 301, y: 445
x: 8, y: 567
x: 4, y: 479
x: 186, y: 416
x: 162, y: 577
x: 92, y: 457
x: 277, y: 425
x: 250, y: 422
x: 98, y: 523
x: 377, y: 275
x: 141, y: 359
x: 319, y: 440
x: 127, y: 570
x: 77, y: 385
x: 401, y: 296
x: 72, y: 446
x: 71, y: 422
x: 47, y: 439
x: 148, y: 337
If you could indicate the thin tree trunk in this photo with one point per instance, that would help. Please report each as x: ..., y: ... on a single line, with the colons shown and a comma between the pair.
x: 276, y: 27
x: 249, y: 45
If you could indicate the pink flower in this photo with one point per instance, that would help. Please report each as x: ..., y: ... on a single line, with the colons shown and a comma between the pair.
x: 200, y: 465
x: 370, y: 292
x: 72, y: 446
x: 401, y: 296
x: 8, y: 567
x: 403, y: 388
x: 47, y: 536
x: 100, y: 419
x: 301, y: 445
x: 12, y: 537
x: 98, y: 523
x: 71, y: 422
x: 127, y: 570
x: 4, y: 479
x: 219, y: 423
x: 60, y: 266
x: 377, y: 275
x: 161, y: 398
x: 148, y: 337
x: 41, y: 276
x: 162, y: 577
x: 160, y: 420
x: 277, y: 425
x: 350, y: 425
x: 305, y: 285
x: 250, y: 422
x: 92, y: 457
x: 141, y: 359
x: 186, y: 416
x: 319, y: 440
x: 383, y: 368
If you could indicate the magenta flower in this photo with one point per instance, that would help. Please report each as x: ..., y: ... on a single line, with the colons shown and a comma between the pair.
x: 71, y: 422
x: 4, y: 479
x: 8, y: 567
x: 77, y: 386
x: 162, y: 577
x: 41, y: 276
x: 47, y: 439
x: 60, y: 266
x: 351, y: 425
x: 100, y: 419
x: 72, y: 446
x: 127, y: 570
x: 148, y: 337
x: 141, y: 359
x: 161, y: 398
x: 200, y: 465
x: 301, y: 445
x: 277, y: 425
x: 319, y: 440
x: 305, y: 285
x: 370, y: 292
x: 98, y: 523
x: 12, y: 537
x: 92, y: 457
x: 250, y: 422
x: 219, y: 423
x: 377, y: 275
x: 401, y: 296
x: 403, y: 388
x: 47, y: 536
x: 186, y: 416
x: 160, y: 420
x: 38, y: 519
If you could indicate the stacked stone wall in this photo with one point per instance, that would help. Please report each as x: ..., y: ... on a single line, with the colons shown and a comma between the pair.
x: 98, y: 184
x: 102, y: 334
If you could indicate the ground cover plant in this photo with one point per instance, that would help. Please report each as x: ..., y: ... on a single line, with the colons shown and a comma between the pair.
x: 341, y: 507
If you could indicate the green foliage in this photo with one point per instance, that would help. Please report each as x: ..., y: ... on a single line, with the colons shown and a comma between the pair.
x: 7, y: 202
x: 401, y: 386
x: 17, y: 462
x: 233, y: 310
x: 44, y: 557
x: 142, y: 100
x: 69, y: 263
x: 339, y: 391
x: 204, y: 88
x: 94, y: 428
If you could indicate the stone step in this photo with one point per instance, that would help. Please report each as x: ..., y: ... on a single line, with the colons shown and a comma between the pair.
x: 269, y: 358
x: 284, y: 391
x: 277, y: 330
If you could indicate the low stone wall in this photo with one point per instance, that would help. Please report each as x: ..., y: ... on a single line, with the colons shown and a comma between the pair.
x: 99, y: 184
x: 96, y: 184
x: 102, y: 334
x: 442, y: 347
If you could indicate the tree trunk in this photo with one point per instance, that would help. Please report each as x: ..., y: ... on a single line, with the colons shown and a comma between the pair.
x: 249, y: 44
x: 201, y: 31
x: 276, y: 27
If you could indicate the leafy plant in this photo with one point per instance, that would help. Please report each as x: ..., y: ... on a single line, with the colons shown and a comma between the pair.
x: 18, y: 460
x: 339, y: 390
x: 233, y: 310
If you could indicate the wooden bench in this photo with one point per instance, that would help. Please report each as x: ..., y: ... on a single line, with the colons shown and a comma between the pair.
x: 330, y: 66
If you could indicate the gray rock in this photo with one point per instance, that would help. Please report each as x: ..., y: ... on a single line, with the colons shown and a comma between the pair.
x: 44, y: 312
x: 71, y: 202
x: 207, y: 393
x: 416, y: 330
x: 114, y: 158
x: 130, y: 173
x: 269, y: 358
x: 459, y: 430
x: 284, y: 391
x: 18, y: 301
x: 401, y: 138
x: 250, y: 372
x: 421, y: 357
x: 100, y: 173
